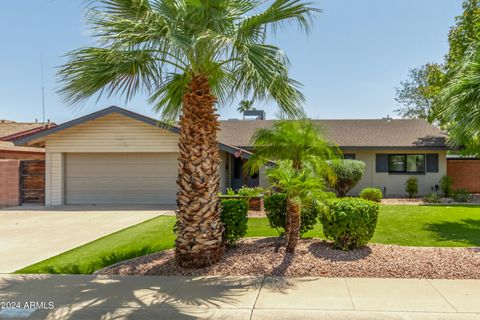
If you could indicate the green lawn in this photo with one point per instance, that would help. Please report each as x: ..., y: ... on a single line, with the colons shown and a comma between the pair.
x: 439, y: 226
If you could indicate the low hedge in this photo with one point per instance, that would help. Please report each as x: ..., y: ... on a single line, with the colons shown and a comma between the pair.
x: 350, y: 222
x: 235, y: 218
x: 276, y: 207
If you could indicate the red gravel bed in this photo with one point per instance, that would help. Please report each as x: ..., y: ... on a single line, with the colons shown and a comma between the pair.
x: 317, y: 258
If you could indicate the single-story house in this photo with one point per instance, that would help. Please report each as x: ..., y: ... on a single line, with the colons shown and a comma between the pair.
x: 116, y: 156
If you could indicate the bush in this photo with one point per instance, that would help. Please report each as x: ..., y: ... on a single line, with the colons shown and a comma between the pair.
x: 372, y: 194
x: 230, y: 192
x: 348, y: 173
x: 432, y: 198
x: 446, y: 186
x: 461, y: 196
x: 234, y: 217
x: 411, y: 187
x: 276, y: 207
x: 250, y: 192
x: 350, y: 222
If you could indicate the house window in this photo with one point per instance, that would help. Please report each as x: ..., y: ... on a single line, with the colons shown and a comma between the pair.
x: 407, y: 163
x: 349, y: 156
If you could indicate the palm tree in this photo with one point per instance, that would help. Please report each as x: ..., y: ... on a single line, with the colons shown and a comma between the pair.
x: 301, y: 186
x: 187, y: 55
x: 459, y: 105
x: 297, y: 140
x: 299, y: 144
x: 245, y: 105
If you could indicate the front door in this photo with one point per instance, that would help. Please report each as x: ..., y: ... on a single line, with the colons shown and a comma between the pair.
x: 240, y: 178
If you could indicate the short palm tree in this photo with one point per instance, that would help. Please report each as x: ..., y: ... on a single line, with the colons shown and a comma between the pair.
x: 298, y: 144
x: 187, y: 55
x: 458, y: 104
x: 245, y: 105
x: 305, y: 185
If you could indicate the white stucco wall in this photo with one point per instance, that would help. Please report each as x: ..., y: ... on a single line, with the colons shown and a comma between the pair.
x: 394, y: 182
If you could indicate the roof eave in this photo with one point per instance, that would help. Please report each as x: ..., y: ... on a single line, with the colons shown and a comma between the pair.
x: 101, y: 113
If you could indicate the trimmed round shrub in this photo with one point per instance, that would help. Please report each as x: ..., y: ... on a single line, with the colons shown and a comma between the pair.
x: 234, y: 217
x: 350, y: 222
x: 348, y: 173
x: 276, y: 207
x: 372, y: 194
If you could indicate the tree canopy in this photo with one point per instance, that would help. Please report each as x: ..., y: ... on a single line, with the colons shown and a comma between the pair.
x: 157, y: 46
x: 298, y: 141
x: 417, y: 96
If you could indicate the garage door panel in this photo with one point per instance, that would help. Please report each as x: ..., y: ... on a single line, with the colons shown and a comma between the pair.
x: 121, y: 178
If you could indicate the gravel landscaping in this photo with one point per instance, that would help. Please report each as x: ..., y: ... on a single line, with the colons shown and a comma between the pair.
x: 419, y: 201
x: 258, y: 256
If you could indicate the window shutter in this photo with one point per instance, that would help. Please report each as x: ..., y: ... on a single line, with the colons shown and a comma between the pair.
x: 381, y: 162
x: 432, y: 162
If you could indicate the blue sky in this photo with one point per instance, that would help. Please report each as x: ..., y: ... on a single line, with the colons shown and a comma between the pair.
x: 350, y: 64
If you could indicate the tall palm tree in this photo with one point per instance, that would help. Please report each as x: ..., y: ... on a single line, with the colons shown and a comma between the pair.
x: 458, y: 104
x: 245, y: 105
x: 187, y: 55
x: 305, y: 185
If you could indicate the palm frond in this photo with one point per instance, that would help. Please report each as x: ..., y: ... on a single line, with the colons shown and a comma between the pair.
x: 154, y: 45
x: 278, y: 14
x: 91, y: 71
x: 298, y: 141
x: 459, y: 105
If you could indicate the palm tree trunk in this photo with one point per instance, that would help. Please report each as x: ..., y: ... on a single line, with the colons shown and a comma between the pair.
x: 199, y: 229
x: 294, y: 221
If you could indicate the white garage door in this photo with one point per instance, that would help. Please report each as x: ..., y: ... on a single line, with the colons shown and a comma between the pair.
x: 120, y: 178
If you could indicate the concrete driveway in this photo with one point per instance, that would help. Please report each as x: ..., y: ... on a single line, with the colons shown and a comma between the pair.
x: 32, y: 234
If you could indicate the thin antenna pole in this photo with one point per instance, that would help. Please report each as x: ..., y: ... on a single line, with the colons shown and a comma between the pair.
x: 43, y: 89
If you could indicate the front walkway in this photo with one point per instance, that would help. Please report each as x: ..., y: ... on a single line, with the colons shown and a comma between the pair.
x: 31, y: 234
x: 128, y: 297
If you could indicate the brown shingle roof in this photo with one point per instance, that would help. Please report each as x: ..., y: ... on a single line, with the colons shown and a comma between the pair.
x: 403, y: 133
x: 8, y: 127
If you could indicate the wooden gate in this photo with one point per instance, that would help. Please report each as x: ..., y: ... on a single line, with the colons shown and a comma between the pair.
x: 32, y: 181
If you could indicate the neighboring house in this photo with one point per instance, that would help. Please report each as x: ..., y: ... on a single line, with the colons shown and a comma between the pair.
x: 11, y: 131
x: 115, y: 156
x: 21, y: 168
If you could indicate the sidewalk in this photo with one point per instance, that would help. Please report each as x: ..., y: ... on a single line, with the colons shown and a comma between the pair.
x: 127, y: 297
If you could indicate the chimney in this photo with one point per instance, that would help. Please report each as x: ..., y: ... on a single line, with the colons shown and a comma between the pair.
x: 256, y: 114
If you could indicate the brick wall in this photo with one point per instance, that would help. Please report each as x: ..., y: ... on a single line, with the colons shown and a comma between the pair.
x: 9, y: 182
x: 465, y: 174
